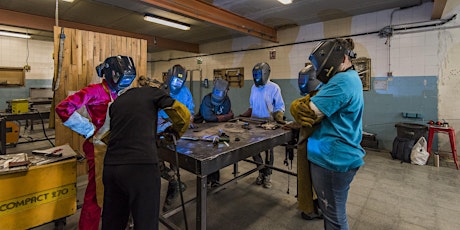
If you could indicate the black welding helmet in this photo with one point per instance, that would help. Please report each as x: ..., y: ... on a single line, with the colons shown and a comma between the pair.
x: 219, y: 91
x: 261, y: 73
x: 307, y: 80
x: 177, y: 76
x: 118, y: 71
x: 326, y: 57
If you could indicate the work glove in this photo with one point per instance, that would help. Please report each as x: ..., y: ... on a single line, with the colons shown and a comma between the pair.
x: 302, y: 113
x: 278, y: 116
x: 80, y: 124
x: 248, y: 113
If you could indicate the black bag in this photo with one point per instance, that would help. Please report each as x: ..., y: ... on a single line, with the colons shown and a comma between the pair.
x: 402, y: 148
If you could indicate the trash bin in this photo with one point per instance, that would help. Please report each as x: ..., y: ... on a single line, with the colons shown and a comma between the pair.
x: 411, y: 130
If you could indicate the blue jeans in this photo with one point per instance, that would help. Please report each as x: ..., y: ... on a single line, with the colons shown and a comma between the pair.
x: 332, y: 190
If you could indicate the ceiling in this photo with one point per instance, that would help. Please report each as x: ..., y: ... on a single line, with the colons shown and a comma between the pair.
x: 210, y: 20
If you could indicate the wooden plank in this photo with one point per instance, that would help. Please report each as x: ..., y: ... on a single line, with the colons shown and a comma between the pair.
x: 124, y: 51
x: 79, y: 51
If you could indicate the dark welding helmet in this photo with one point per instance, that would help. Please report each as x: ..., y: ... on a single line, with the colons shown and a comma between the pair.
x: 177, y: 76
x: 260, y: 73
x: 307, y: 80
x: 219, y: 91
x: 118, y: 71
x: 326, y: 57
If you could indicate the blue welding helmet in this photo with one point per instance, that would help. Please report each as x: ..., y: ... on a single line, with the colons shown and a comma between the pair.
x: 118, y: 71
x: 219, y: 92
x: 261, y: 73
x: 177, y: 76
x: 307, y: 80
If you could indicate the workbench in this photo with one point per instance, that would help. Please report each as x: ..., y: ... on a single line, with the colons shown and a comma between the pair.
x: 205, y: 157
x: 4, y: 117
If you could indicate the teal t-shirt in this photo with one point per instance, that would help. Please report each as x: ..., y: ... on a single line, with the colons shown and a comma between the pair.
x: 335, y: 145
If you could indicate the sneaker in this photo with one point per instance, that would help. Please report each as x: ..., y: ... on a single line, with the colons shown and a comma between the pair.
x: 267, y: 182
x: 260, y: 179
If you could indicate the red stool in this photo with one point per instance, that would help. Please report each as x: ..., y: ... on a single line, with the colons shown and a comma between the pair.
x: 435, y: 129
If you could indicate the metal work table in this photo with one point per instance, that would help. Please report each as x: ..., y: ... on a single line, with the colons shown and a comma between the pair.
x: 203, y: 158
x: 15, y: 117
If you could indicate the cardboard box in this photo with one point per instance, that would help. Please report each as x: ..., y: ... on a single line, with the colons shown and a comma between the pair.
x: 40, y: 195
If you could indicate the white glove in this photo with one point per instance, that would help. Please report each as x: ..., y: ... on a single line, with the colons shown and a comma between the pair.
x: 80, y: 124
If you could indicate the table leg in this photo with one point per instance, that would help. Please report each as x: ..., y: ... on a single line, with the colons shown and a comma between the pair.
x: 235, y: 170
x: 201, y: 195
x: 2, y: 136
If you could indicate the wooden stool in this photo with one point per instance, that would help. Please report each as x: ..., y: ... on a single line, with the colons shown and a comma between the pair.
x: 435, y: 129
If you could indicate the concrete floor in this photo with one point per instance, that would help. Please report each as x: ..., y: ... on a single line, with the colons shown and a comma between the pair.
x: 385, y: 194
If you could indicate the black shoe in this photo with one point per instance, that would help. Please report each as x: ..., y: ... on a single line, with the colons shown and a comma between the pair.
x: 311, y: 216
x: 173, y: 191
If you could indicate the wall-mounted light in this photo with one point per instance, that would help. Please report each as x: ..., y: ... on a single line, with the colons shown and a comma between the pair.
x: 285, y: 2
x: 16, y: 35
x: 166, y: 22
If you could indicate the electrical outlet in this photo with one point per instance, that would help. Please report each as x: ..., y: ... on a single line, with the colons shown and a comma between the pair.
x: 389, y: 74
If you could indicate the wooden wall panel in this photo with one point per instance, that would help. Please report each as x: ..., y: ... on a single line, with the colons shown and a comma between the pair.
x: 83, y: 51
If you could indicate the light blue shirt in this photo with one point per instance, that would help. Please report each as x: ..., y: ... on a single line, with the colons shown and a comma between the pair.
x: 265, y: 100
x: 185, y: 97
x: 335, y: 145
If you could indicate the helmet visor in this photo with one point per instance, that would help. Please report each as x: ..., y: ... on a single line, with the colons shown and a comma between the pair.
x: 176, y: 82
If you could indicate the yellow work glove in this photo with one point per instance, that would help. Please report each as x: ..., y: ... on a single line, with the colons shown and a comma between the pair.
x: 278, y: 116
x: 180, y: 117
x: 302, y: 113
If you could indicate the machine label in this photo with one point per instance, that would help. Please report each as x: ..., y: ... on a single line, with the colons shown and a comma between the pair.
x: 35, y: 199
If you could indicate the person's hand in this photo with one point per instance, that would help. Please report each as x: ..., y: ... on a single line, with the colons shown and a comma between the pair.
x: 302, y: 113
x: 278, y: 116
x: 248, y: 113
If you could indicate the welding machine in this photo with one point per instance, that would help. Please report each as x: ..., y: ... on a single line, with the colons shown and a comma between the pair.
x: 12, y: 133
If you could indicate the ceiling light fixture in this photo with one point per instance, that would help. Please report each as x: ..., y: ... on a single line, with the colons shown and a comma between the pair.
x: 16, y: 35
x: 67, y: 0
x: 166, y: 22
x: 285, y: 2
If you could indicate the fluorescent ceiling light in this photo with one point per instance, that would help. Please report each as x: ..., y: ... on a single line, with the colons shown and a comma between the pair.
x: 285, y: 2
x: 16, y: 35
x: 166, y: 22
x: 67, y: 0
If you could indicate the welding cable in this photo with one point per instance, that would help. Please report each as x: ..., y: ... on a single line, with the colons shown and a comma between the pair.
x: 43, y: 127
x: 179, y: 180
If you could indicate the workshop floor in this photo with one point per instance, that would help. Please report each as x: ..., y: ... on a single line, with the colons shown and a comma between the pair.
x: 385, y: 194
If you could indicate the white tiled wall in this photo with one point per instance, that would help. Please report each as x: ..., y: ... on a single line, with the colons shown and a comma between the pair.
x: 17, y: 52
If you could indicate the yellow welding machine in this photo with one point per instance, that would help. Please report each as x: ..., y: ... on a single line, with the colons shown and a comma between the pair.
x: 19, y: 106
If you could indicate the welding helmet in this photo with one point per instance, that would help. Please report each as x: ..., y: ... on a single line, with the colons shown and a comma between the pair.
x: 219, y: 92
x: 260, y: 73
x: 327, y: 56
x: 307, y: 80
x: 118, y: 71
x: 177, y: 76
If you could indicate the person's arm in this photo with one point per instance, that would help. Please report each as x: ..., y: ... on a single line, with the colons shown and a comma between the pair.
x: 278, y: 106
x: 227, y: 107
x: 66, y: 110
x: 180, y: 117
x: 206, y: 109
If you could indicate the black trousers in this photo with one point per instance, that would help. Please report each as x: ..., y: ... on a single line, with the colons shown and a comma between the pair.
x: 131, y: 189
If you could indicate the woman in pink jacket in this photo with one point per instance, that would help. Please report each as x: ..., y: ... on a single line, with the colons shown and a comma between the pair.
x: 118, y: 73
